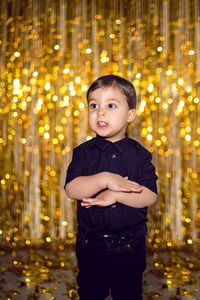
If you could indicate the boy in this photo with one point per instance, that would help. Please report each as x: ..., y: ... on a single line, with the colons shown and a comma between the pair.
x: 114, y: 181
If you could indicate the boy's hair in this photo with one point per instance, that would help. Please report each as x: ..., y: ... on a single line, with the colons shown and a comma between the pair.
x: 115, y: 81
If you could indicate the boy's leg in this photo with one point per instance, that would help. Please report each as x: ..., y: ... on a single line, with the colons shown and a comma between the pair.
x: 92, y: 287
x: 93, y: 277
x: 127, y: 269
x: 127, y: 285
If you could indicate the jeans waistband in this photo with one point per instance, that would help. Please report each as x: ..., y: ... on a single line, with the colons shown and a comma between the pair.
x: 91, y: 235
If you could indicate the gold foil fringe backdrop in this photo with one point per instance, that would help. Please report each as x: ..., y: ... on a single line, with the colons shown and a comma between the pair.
x: 51, y: 51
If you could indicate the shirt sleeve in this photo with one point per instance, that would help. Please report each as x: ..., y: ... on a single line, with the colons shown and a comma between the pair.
x: 75, y: 168
x: 148, y: 175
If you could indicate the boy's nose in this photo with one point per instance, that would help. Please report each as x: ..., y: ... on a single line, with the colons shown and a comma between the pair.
x: 101, y: 111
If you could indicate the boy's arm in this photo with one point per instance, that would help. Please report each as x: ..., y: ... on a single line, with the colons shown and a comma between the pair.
x: 87, y: 186
x: 134, y: 199
x: 137, y: 200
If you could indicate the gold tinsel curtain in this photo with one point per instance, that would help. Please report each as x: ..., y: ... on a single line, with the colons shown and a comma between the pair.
x: 50, y: 52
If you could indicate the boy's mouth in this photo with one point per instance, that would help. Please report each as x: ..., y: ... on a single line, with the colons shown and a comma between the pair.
x: 102, y: 124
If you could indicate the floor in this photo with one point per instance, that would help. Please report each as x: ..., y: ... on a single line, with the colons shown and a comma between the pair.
x: 44, y: 274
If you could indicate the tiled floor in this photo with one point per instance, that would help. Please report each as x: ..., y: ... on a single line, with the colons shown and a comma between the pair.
x: 42, y: 274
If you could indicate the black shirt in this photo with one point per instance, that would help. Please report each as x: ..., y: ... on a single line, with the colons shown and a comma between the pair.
x: 125, y: 157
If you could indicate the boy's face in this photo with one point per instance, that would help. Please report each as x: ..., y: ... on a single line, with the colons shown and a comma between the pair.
x: 108, y: 113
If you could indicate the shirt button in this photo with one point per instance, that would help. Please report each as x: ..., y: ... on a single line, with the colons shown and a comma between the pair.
x: 114, y: 156
x: 114, y: 205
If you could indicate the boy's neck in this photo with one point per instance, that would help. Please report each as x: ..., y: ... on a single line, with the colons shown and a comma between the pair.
x: 113, y: 141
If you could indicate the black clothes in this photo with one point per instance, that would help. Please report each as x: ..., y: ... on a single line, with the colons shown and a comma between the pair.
x: 126, y: 158
x: 105, y: 264
x: 111, y: 241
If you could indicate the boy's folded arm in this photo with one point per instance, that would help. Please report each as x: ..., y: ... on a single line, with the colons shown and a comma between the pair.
x: 138, y: 200
x: 135, y: 199
x: 85, y: 186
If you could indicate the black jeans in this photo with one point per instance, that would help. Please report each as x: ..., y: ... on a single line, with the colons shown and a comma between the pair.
x: 109, y: 264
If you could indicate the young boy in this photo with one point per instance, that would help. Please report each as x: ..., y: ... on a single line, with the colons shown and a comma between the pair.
x: 114, y: 181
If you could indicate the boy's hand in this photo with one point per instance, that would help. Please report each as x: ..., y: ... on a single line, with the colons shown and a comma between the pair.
x: 118, y: 183
x: 105, y: 198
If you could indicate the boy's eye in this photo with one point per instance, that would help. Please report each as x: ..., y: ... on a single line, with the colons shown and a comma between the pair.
x: 112, y: 105
x: 93, y: 105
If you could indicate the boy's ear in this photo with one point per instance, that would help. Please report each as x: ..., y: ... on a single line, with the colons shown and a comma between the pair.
x: 131, y: 115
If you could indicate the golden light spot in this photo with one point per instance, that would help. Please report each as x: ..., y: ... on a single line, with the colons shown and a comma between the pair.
x: 159, y: 49
x: 76, y: 113
x: 52, y: 173
x: 56, y: 47
x: 55, y: 141
x: 41, y: 130
x: 150, y: 88
x: 194, y: 175
x: 157, y: 100
x: 187, y: 137
x: 40, y: 101
x: 47, y: 86
x: 165, y: 106
x: 72, y: 92
x: 65, y: 223
x: 182, y: 132
x: 70, y: 235
x: 112, y: 35
x: 138, y: 75
x: 88, y: 50
x: 55, y: 98
x: 191, y: 52
x: 46, y: 127
x: 16, y: 84
x: 144, y: 132
x: 149, y: 128
x: 180, y: 81
x: 188, y: 129
x: 143, y: 103
x: 169, y: 72
x: 77, y: 79
x: 158, y: 143
x: 46, y: 135
x: 170, y: 100
x: 168, y: 175
x: 17, y: 54
x: 66, y: 71
x: 188, y: 88
x: 81, y: 105
x: 61, y: 137
x: 149, y: 137
x: 23, y: 141
x: 35, y: 74
x: 84, y: 87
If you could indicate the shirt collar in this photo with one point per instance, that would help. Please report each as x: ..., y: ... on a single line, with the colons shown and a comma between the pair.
x: 103, y: 144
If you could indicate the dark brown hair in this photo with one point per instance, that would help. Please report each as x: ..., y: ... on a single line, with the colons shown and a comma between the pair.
x: 122, y: 84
